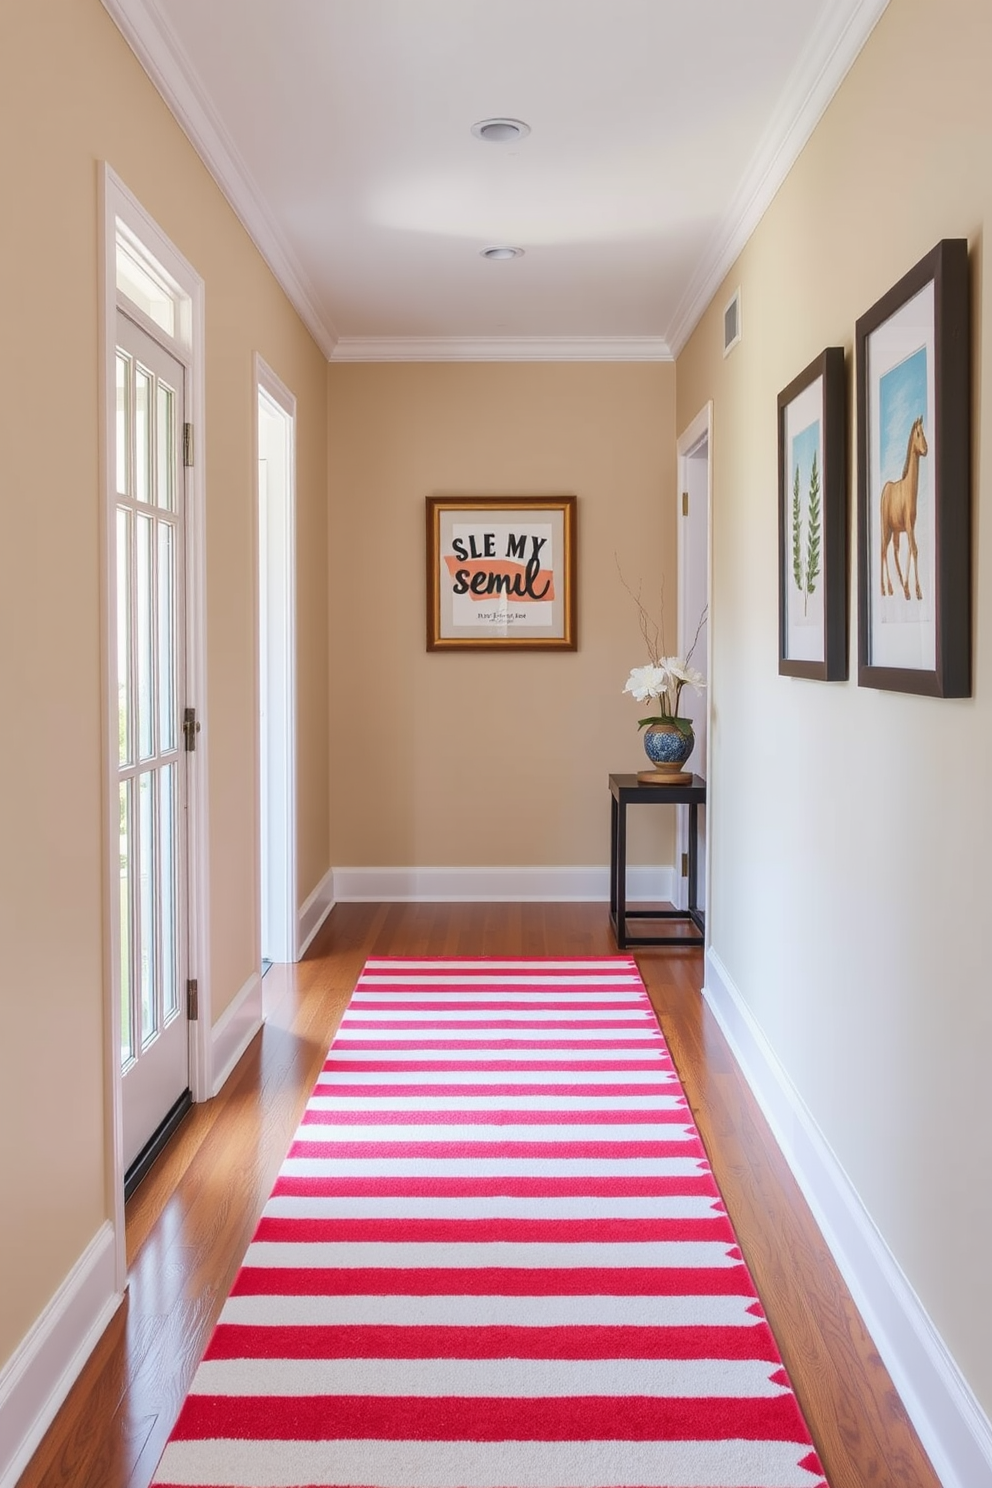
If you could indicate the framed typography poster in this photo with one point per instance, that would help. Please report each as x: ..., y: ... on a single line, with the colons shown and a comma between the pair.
x: 501, y: 573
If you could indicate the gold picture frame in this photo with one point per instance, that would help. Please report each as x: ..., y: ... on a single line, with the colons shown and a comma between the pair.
x: 501, y: 573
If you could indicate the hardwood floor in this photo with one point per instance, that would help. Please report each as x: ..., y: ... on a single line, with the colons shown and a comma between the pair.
x: 190, y: 1222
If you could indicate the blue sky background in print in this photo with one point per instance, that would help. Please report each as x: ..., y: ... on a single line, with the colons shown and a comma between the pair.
x: 902, y: 399
x: 900, y: 389
x: 805, y: 445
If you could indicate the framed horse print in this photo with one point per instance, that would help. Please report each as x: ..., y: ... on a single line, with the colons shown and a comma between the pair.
x: 812, y: 521
x: 914, y: 481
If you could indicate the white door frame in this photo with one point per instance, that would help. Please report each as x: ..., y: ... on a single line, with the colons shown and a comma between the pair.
x: 700, y: 429
x: 278, y: 547
x: 121, y: 215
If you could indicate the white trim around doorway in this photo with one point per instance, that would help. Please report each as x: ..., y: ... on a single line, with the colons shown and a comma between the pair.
x: 698, y: 431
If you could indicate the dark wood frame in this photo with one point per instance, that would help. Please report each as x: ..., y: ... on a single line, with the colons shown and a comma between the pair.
x: 947, y: 266
x: 829, y: 366
x: 565, y: 571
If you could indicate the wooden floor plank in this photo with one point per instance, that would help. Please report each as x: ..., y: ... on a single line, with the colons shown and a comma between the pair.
x: 190, y: 1221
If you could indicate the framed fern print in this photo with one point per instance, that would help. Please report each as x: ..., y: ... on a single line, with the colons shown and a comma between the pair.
x: 812, y: 522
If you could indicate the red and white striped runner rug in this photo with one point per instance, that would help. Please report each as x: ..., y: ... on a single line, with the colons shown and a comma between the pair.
x: 495, y: 1257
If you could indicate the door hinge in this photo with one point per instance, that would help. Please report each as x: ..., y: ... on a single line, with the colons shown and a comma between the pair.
x: 685, y: 503
x: 190, y: 729
x: 192, y: 1000
x: 685, y: 865
x: 187, y: 445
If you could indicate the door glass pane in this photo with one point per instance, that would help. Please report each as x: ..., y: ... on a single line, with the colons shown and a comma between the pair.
x: 144, y: 632
x: 167, y: 889
x: 167, y: 721
x: 123, y: 411
x: 124, y: 634
x: 146, y: 905
x: 127, y: 1030
x: 142, y: 435
x: 165, y: 444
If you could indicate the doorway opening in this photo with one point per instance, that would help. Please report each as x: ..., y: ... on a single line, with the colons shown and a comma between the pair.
x: 695, y: 486
x: 276, y: 439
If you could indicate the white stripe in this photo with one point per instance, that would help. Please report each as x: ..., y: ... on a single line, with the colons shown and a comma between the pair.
x: 437, y: 979
x: 383, y: 1058
x: 378, y: 1079
x: 496, y: 1206
x: 482, y: 1015
x: 467, y: 1464
x: 272, y: 1310
x: 633, y: 1131
x: 632, y: 998
x: 526, y: 1379
x: 635, y: 1255
x: 494, y: 1167
x: 497, y: 1103
x: 538, y: 1031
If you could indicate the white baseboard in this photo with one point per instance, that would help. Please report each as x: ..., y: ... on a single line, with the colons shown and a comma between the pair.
x: 235, y: 1029
x: 314, y: 911
x: 497, y: 885
x: 955, y: 1431
x: 37, y: 1378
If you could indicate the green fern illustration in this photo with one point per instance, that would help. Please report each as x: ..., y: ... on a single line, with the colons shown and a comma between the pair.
x: 813, y: 535
x: 797, y: 524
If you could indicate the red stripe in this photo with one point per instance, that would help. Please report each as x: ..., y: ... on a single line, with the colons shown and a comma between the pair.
x: 491, y: 1419
x: 438, y: 1020
x: 613, y: 1151
x: 382, y: 1067
x: 369, y: 1341
x: 495, y: 1117
x: 485, y: 1231
x: 392, y: 1004
x: 342, y: 1040
x: 493, y: 1281
x: 394, y: 1187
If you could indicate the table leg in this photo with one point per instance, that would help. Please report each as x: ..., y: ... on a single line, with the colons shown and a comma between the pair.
x: 693, y: 857
x: 613, y: 855
x: 621, y: 873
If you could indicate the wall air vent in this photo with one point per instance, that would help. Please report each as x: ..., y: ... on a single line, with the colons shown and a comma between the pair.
x: 732, y: 322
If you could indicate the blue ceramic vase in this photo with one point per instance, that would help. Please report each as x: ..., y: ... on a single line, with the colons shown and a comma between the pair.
x: 667, y: 747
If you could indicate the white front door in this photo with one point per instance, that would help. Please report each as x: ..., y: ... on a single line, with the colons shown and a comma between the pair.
x: 149, y: 554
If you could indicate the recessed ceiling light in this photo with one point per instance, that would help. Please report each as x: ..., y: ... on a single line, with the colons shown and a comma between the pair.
x: 500, y: 131
x: 501, y: 251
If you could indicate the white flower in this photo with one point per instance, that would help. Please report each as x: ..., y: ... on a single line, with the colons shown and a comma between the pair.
x: 647, y: 682
x: 684, y: 673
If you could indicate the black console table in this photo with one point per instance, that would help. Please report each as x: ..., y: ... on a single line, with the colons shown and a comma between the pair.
x: 626, y: 790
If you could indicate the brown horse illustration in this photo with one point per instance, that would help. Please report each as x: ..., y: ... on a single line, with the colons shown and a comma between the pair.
x: 898, y: 513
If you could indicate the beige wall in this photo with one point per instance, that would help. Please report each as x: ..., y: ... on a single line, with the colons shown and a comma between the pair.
x: 849, y: 826
x: 71, y: 95
x: 444, y: 759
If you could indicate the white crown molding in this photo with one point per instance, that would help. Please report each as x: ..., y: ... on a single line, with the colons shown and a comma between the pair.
x: 833, y: 48
x: 501, y: 349
x: 173, y: 75
x: 955, y: 1431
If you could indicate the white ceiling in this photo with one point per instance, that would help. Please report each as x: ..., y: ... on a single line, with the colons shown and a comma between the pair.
x: 340, y: 131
